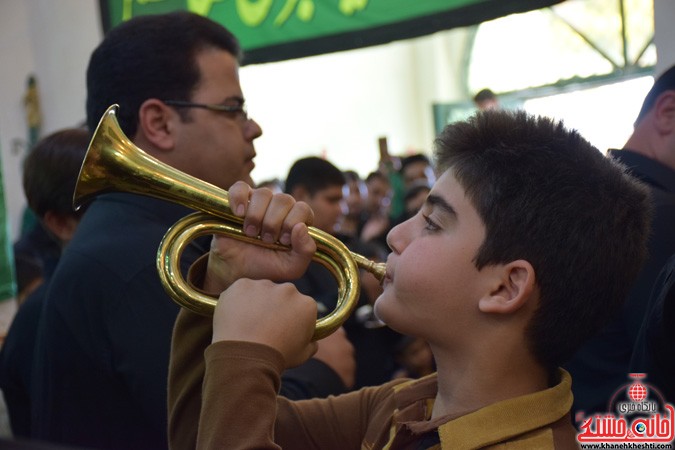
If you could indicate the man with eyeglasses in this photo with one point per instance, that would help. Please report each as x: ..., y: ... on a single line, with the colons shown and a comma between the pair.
x: 105, y: 335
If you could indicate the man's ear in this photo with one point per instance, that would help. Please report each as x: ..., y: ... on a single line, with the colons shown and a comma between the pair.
x: 513, y: 288
x: 664, y: 113
x: 156, y: 121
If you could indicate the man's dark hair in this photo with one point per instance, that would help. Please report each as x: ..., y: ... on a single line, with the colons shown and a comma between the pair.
x: 314, y: 174
x: 150, y: 56
x: 665, y: 82
x: 548, y: 196
x: 51, y: 169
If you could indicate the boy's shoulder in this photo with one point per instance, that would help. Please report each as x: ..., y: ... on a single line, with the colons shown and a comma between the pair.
x: 537, y: 420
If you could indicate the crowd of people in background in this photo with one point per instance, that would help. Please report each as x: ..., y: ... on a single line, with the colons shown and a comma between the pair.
x: 87, y: 359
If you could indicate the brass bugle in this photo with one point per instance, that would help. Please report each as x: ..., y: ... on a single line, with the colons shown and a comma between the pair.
x: 115, y: 164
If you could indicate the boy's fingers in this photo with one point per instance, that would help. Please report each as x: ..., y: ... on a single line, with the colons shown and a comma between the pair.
x: 238, y: 195
x: 257, y: 206
x: 275, y: 215
x: 301, y: 242
x: 276, y: 315
x: 300, y: 213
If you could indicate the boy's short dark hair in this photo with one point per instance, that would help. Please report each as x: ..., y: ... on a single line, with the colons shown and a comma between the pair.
x: 151, y: 56
x: 665, y: 82
x: 548, y: 196
x: 314, y: 174
x: 51, y: 169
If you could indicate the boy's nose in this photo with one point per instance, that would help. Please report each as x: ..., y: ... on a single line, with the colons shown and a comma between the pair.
x: 396, y: 238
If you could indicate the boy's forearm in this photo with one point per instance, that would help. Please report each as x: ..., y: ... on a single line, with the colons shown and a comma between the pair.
x: 191, y: 335
x: 239, y: 396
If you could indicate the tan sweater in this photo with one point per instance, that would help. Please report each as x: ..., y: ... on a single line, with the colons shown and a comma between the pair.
x: 226, y: 398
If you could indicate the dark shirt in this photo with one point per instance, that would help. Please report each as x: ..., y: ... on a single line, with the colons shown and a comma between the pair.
x: 16, y: 361
x: 601, y: 366
x: 102, y: 351
x: 35, y: 255
x: 654, y: 352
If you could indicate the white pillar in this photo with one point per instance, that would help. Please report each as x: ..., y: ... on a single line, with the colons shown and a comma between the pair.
x: 664, y: 34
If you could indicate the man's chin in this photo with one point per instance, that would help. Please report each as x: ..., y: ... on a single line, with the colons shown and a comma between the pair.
x: 247, y: 179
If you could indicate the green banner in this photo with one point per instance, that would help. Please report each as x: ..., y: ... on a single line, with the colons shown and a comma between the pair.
x: 273, y: 30
x: 7, y: 286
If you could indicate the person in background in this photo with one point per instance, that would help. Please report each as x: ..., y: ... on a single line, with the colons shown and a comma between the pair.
x: 602, y: 365
x: 486, y: 99
x: 414, y: 198
x: 354, y: 194
x: 417, y: 168
x: 378, y: 199
x: 318, y: 183
x: 502, y: 273
x: 35, y: 254
x: 414, y: 169
x: 50, y: 173
x: 414, y: 358
x: 274, y: 184
x: 375, y: 222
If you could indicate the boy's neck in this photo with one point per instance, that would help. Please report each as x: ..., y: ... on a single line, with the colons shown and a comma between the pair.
x: 466, y: 385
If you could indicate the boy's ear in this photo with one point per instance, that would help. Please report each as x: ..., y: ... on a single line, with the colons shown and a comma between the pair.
x: 156, y: 122
x: 513, y: 289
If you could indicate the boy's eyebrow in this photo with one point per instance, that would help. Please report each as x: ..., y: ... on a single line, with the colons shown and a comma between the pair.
x: 435, y: 200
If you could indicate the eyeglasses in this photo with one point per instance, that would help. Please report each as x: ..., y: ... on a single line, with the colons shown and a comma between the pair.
x: 240, y: 110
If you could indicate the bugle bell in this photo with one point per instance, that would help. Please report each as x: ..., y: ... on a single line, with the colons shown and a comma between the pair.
x: 114, y: 164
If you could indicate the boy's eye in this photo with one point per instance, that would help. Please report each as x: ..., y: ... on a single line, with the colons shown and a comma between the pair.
x: 431, y: 225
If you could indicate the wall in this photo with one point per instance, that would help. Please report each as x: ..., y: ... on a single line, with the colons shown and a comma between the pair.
x: 664, y: 33
x: 338, y: 105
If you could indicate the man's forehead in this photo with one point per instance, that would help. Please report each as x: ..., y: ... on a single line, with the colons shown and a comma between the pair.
x: 218, y: 71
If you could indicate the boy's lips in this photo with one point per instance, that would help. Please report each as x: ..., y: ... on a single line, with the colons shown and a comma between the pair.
x: 388, y: 274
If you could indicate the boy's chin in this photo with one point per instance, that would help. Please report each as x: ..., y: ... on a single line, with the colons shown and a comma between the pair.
x: 382, y: 307
x: 386, y: 310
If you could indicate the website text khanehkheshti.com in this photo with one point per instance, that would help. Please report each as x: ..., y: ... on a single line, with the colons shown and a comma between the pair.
x: 626, y: 445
